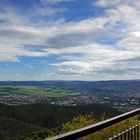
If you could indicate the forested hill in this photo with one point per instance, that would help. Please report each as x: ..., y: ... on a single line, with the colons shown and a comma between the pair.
x: 49, y: 116
x: 17, y: 122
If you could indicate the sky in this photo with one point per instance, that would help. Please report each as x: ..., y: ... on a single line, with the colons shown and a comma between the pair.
x: 69, y: 40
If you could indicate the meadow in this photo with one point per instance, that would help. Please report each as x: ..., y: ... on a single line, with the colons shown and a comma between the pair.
x: 37, y: 91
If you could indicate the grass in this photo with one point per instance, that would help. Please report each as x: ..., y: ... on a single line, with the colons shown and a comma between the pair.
x: 37, y: 91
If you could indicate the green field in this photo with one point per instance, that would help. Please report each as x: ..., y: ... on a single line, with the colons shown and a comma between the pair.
x: 37, y: 91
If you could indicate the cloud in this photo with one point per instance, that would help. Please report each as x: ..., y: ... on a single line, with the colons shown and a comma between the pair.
x: 74, y: 67
x: 53, y: 2
x: 58, y: 36
x: 107, y: 3
x: 10, y: 15
x: 12, y: 52
x: 34, y: 14
x: 136, y: 34
x: 19, y: 37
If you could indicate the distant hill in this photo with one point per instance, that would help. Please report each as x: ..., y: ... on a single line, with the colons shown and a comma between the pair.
x: 84, y: 86
x: 17, y: 121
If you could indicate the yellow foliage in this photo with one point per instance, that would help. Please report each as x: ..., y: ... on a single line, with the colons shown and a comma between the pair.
x: 85, y: 120
x: 78, y: 122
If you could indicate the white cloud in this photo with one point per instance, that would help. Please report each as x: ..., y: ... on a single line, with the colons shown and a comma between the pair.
x: 74, y: 67
x: 120, y: 23
x: 15, y: 38
x: 12, y: 16
x: 12, y: 52
x: 52, y: 2
x: 106, y: 3
x: 136, y: 34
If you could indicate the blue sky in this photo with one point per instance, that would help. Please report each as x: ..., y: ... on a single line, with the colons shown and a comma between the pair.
x: 69, y: 39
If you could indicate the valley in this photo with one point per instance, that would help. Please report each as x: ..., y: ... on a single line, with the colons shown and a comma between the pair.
x: 124, y: 95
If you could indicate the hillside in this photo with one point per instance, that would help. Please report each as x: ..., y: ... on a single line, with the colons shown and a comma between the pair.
x: 26, y: 119
x: 15, y: 129
x: 51, y: 115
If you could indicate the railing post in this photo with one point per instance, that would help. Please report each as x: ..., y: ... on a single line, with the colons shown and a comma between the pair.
x: 128, y: 134
x: 138, y: 132
x: 131, y: 133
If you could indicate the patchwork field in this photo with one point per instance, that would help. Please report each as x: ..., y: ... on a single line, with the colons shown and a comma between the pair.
x: 37, y: 91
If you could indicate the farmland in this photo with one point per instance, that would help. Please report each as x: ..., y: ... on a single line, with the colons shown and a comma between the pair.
x: 37, y: 91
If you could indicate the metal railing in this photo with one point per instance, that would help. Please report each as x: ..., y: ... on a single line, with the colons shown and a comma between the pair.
x: 104, y: 124
x: 130, y: 134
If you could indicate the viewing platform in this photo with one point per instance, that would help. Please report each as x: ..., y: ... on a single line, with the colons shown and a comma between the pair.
x: 132, y: 133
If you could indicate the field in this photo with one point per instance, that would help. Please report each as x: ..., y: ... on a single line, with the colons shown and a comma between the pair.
x: 37, y: 91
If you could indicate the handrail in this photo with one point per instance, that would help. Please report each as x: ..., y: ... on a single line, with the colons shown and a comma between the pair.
x: 72, y: 135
